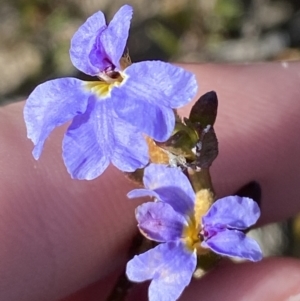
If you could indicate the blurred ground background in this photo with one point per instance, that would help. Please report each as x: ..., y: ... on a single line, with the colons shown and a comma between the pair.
x: 35, y: 37
x: 35, y: 34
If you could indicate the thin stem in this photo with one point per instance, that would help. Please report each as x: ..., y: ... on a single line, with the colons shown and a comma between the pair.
x: 200, y: 179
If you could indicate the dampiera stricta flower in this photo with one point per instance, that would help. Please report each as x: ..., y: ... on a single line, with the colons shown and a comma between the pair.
x: 177, y: 220
x: 111, y: 115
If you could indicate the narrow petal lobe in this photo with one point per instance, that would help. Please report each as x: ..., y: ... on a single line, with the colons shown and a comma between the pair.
x: 83, y: 42
x: 139, y: 193
x: 114, y: 38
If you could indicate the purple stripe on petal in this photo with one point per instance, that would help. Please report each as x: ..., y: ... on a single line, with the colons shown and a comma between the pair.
x: 114, y: 38
x: 83, y: 43
x: 172, y: 187
x: 234, y: 243
x: 86, y: 149
x: 160, y: 222
x: 170, y: 266
x: 51, y: 104
x: 234, y: 212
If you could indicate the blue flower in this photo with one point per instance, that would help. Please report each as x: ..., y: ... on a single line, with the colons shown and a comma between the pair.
x: 180, y: 221
x: 109, y: 116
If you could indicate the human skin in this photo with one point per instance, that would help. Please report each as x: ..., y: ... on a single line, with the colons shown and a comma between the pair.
x: 61, y: 237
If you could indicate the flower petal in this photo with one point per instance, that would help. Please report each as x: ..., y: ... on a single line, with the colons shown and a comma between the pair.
x: 114, y: 38
x: 233, y: 211
x: 98, y: 137
x: 149, y: 92
x: 152, y: 119
x: 84, y: 145
x: 169, y: 265
x: 51, y: 104
x: 83, y: 43
x: 138, y: 193
x: 161, y: 83
x: 130, y: 147
x: 160, y: 222
x: 234, y: 243
x: 171, y: 186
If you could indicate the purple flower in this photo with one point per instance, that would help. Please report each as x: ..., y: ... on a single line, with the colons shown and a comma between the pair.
x: 176, y: 220
x: 109, y: 116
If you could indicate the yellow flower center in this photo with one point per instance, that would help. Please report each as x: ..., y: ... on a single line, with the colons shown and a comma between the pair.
x: 103, y: 87
x: 109, y: 79
x: 191, y: 233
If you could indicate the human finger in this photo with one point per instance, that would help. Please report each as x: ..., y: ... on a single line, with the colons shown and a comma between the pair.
x: 60, y: 234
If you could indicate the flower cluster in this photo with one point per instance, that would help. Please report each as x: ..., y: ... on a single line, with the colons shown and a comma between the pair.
x: 179, y: 221
x: 109, y: 116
